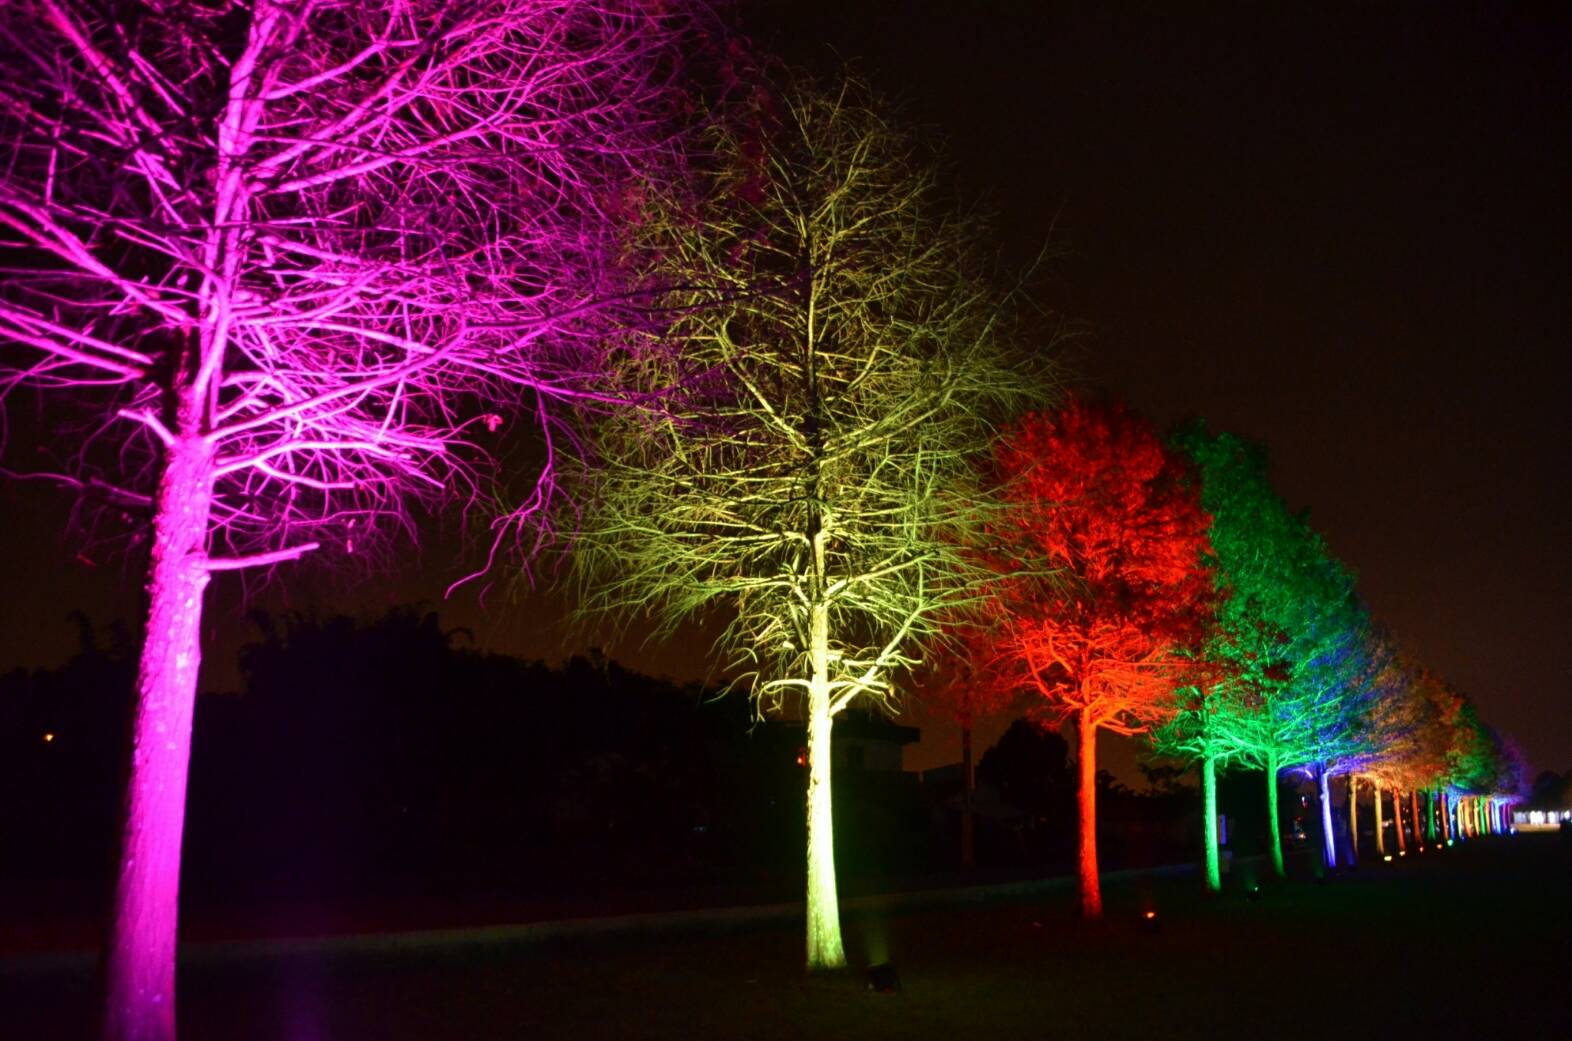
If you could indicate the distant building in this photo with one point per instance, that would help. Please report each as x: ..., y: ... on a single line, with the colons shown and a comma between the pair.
x: 861, y: 742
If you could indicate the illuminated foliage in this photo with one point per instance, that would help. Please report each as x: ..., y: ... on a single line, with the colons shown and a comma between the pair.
x: 298, y: 261
x: 1102, y: 505
x: 808, y: 464
x: 1289, y: 634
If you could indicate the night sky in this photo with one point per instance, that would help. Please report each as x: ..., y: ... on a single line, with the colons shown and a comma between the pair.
x: 1343, y: 232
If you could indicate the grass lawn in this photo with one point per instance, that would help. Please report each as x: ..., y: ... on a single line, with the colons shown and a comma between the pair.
x: 1470, y: 943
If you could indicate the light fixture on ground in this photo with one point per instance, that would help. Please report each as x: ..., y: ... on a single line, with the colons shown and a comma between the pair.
x: 883, y: 979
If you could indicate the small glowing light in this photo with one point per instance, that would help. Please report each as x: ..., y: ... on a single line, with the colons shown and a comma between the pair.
x: 1388, y: 857
x: 1401, y: 853
x: 1448, y: 842
x: 1150, y: 915
x: 49, y: 735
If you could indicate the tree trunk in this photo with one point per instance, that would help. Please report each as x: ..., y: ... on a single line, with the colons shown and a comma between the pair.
x: 1446, y: 816
x: 824, y: 909
x: 1275, y: 829
x: 140, y: 972
x: 1214, y: 877
x: 1397, y: 820
x: 1091, y: 890
x: 1328, y: 842
x: 1413, y: 806
x: 968, y: 785
x: 1380, y: 826
x: 1353, y: 818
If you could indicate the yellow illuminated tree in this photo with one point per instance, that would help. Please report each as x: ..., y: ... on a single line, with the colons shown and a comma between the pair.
x: 806, y: 470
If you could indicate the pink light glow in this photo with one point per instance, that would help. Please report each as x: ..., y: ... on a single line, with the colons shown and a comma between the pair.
x: 299, y: 309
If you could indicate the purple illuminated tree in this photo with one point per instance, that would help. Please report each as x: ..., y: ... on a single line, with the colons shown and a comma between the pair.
x: 300, y: 261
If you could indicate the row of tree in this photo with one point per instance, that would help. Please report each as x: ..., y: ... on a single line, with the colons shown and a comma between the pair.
x: 846, y: 479
x: 307, y: 261
x: 1180, y: 598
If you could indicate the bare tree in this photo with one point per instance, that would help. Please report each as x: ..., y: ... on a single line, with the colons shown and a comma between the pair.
x: 841, y: 363
x: 303, y: 258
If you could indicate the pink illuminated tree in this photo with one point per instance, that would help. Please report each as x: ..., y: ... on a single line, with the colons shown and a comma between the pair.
x: 300, y: 260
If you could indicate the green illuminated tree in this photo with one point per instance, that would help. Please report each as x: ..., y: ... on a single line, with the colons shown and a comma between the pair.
x: 806, y: 469
x: 1208, y: 727
x: 1285, y: 630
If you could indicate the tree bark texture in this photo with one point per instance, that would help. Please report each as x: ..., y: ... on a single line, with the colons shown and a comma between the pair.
x: 1091, y: 888
x: 1380, y: 826
x: 825, y: 950
x: 1328, y: 842
x: 140, y: 978
x: 1214, y: 877
x: 1275, y: 828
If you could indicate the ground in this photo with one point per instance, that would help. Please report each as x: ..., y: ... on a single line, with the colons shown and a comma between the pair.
x: 1470, y: 942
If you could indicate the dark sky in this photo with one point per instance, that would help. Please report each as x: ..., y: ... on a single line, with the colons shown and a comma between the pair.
x: 1342, y: 231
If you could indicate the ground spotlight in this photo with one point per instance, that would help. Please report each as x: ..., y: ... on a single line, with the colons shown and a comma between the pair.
x: 1402, y: 852
x: 1150, y: 923
x: 1387, y: 858
x: 883, y: 979
x: 1254, y: 893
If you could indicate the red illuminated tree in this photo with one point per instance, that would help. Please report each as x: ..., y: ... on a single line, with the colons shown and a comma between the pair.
x: 1099, y: 500
x: 299, y: 260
